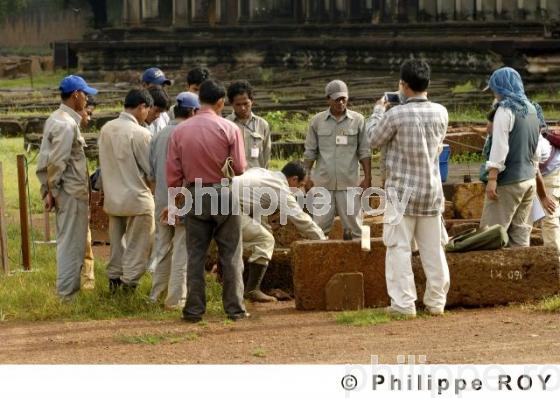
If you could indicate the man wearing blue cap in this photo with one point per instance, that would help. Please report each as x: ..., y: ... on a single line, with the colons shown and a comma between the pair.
x: 171, y: 243
x: 62, y: 172
x: 155, y: 78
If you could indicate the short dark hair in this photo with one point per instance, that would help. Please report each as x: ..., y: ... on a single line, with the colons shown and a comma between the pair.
x: 65, y: 96
x: 197, y: 76
x: 91, y: 101
x: 416, y: 73
x: 239, y: 87
x: 136, y: 97
x: 211, y: 91
x: 294, y: 168
x: 184, y: 113
x: 161, y: 99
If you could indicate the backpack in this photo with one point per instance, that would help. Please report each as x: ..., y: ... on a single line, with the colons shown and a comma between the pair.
x: 486, y: 238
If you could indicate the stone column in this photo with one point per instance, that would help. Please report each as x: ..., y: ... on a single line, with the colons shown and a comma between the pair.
x: 132, y: 12
x: 506, y: 9
x: 243, y: 7
x: 200, y: 12
x: 180, y: 12
x: 465, y: 10
x: 527, y: 9
x: 427, y: 10
x: 445, y: 10
x: 485, y: 10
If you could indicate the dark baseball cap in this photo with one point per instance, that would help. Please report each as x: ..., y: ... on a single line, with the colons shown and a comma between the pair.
x: 155, y: 76
x: 73, y: 83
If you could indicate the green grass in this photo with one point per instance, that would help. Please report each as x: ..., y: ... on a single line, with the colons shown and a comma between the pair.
x: 155, y: 339
x: 259, y: 352
x: 9, y: 149
x: 42, y: 80
x: 365, y: 317
x: 549, y: 304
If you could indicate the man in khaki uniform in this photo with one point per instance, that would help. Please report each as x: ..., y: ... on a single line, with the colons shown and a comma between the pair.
x: 124, y: 150
x: 336, y: 143
x: 62, y: 172
x: 254, y: 189
x: 255, y: 129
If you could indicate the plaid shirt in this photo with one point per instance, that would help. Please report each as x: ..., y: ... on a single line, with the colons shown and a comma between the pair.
x: 412, y: 136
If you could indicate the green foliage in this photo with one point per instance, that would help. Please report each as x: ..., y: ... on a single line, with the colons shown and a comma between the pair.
x: 10, y: 7
x: 464, y: 88
x: 42, y: 80
x: 468, y: 157
x: 259, y: 352
x: 292, y: 126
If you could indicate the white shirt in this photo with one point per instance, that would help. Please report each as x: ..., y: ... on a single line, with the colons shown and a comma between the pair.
x: 504, y: 120
x: 257, y: 177
x: 159, y: 124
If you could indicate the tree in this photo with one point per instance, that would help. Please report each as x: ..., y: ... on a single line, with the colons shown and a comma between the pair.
x: 10, y: 7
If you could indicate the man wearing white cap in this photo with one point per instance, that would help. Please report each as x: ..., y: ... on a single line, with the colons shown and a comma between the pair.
x: 336, y: 142
x: 62, y: 171
x: 171, y: 243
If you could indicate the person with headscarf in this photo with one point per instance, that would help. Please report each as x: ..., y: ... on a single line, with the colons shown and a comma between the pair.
x: 512, y: 157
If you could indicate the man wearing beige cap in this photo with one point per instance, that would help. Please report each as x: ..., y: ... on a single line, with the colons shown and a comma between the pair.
x: 336, y: 142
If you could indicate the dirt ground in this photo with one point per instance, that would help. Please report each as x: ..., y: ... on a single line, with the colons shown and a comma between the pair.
x: 278, y: 334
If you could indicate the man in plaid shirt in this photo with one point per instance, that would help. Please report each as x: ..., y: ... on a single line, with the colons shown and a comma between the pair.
x: 411, y: 137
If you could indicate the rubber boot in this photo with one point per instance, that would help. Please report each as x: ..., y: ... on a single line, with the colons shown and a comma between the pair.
x: 253, y: 287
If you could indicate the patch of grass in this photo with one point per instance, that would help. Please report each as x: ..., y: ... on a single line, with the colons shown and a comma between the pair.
x: 365, y: 317
x: 9, y: 149
x: 259, y: 352
x: 464, y: 88
x: 42, y: 80
x: 155, y: 339
x: 467, y: 115
x: 549, y: 304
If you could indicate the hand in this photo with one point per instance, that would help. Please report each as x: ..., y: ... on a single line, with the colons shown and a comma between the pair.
x: 548, y: 204
x: 366, y: 183
x: 491, y: 193
x: 382, y: 102
x: 48, y: 201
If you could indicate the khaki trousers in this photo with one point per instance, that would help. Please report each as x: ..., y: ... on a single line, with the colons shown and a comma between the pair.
x: 170, y: 272
x: 72, y: 221
x: 131, y: 242
x: 551, y: 222
x: 512, y: 210
x: 339, y: 205
x: 258, y: 239
x: 88, y: 269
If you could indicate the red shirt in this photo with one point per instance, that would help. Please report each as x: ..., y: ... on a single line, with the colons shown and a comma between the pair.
x: 199, y: 147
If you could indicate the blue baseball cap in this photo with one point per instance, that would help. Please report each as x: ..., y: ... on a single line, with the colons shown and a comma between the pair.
x: 73, y: 83
x: 155, y: 76
x: 188, y: 100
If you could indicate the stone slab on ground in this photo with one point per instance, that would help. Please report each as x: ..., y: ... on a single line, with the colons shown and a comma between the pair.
x: 345, y: 292
x: 477, y: 278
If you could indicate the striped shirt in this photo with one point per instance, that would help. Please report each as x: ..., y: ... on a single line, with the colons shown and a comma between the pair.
x: 412, y: 135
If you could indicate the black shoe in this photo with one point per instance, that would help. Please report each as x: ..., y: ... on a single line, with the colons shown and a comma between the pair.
x: 114, y: 284
x: 191, y: 318
x: 239, y: 317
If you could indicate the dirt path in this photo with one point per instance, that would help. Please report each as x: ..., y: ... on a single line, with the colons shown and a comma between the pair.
x: 280, y: 334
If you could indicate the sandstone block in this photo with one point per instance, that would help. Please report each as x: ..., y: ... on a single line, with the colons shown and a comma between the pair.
x: 345, y: 292
x: 468, y: 200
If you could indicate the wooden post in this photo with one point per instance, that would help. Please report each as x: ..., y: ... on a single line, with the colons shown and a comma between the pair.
x: 46, y: 215
x: 23, y: 214
x: 3, y: 233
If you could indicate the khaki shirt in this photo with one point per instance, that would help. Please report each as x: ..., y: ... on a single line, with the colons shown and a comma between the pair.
x: 62, y: 162
x: 336, y: 147
x: 124, y: 151
x: 258, y: 144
